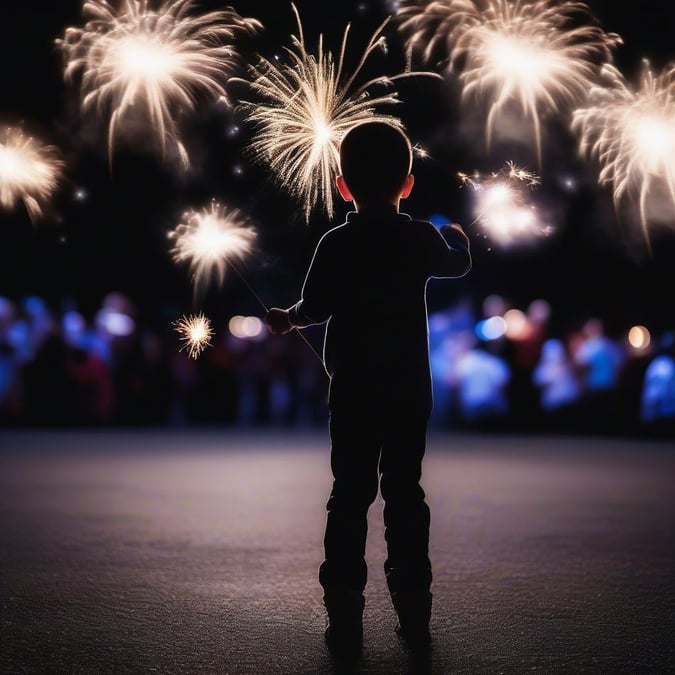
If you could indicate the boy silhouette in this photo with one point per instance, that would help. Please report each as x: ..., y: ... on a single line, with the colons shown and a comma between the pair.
x: 367, y: 280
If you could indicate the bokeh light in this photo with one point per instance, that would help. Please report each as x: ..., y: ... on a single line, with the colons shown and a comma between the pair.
x: 639, y: 338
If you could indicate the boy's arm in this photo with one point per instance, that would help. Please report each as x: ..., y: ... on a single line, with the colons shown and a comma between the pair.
x: 449, y: 251
x: 314, y: 305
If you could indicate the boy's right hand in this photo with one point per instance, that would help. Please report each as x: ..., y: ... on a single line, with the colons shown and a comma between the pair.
x: 278, y: 322
x: 459, y: 230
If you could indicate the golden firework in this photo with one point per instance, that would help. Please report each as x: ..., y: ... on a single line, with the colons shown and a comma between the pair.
x: 195, y: 332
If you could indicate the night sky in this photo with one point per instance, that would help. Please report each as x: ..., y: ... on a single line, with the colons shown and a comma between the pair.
x: 108, y: 225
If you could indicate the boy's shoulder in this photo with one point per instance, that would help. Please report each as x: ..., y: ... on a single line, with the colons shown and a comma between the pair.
x: 389, y: 218
x: 333, y: 234
x: 352, y: 227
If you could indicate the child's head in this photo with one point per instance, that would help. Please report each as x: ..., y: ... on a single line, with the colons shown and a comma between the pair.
x: 375, y: 162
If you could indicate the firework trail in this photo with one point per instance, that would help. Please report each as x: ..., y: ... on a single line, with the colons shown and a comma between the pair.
x: 211, y: 240
x: 502, y: 204
x: 137, y: 62
x: 306, y: 106
x: 531, y: 54
x: 30, y: 171
x: 631, y: 132
x: 195, y: 332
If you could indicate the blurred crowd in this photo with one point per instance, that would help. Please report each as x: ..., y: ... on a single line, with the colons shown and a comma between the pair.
x: 494, y: 366
x: 507, y: 367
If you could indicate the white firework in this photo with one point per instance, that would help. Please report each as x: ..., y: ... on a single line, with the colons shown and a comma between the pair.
x: 502, y: 204
x: 211, y: 239
x: 153, y: 64
x: 631, y: 132
x: 30, y: 171
x: 304, y: 108
x: 531, y: 54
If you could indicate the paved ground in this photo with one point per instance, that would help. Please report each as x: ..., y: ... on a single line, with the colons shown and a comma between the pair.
x: 196, y: 552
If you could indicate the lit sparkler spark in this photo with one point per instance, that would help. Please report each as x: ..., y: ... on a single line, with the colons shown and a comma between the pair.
x: 511, y: 171
x: 195, y: 332
x: 307, y: 106
x: 211, y: 239
x: 420, y: 151
x: 631, y: 131
x: 501, y: 204
x: 152, y: 64
x: 529, y: 53
x: 29, y: 171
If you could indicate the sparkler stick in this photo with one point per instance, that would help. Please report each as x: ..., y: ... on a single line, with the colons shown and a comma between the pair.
x: 254, y: 293
x: 266, y: 309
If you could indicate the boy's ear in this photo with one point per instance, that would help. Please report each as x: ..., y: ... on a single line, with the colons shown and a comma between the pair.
x: 407, y: 186
x: 343, y: 189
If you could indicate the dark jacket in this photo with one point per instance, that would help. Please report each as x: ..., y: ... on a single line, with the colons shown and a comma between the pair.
x: 368, y: 279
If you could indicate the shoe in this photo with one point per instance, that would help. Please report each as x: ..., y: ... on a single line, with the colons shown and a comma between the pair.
x: 344, y: 629
x: 413, y: 610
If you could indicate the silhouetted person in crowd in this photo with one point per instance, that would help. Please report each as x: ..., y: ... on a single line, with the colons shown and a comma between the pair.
x: 49, y: 390
x: 93, y: 382
x: 598, y: 360
x: 368, y: 280
x: 483, y: 377
x: 10, y: 395
x: 657, y: 403
x: 558, y: 384
x: 523, y: 353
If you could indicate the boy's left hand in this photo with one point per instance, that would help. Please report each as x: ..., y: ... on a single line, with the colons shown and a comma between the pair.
x: 278, y: 322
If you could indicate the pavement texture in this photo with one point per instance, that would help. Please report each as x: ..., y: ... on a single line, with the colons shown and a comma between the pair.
x: 196, y: 551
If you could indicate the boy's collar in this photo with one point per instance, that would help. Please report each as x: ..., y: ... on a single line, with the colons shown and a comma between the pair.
x: 376, y: 212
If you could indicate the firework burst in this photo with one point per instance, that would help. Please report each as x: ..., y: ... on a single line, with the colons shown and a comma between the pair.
x: 29, y: 171
x: 306, y: 106
x: 502, y: 205
x: 212, y: 239
x: 631, y: 132
x: 140, y: 63
x: 195, y: 333
x: 527, y: 53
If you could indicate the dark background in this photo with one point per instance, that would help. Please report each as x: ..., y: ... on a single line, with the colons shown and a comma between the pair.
x: 179, y: 552
x: 115, y: 239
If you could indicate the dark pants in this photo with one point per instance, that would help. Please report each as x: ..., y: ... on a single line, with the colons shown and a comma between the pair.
x: 377, y: 437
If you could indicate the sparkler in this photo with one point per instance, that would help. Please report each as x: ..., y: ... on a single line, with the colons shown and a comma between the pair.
x: 502, y: 206
x: 151, y: 64
x: 211, y: 240
x: 195, y: 332
x: 306, y: 107
x: 29, y: 171
x: 631, y: 131
x: 527, y: 53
